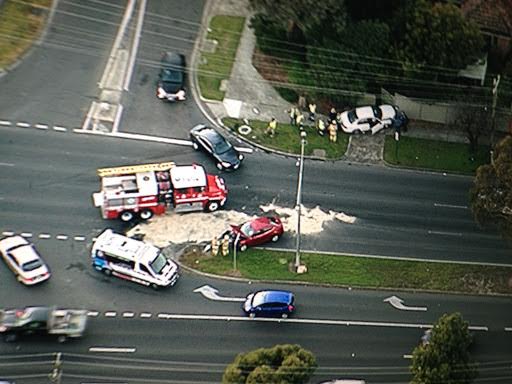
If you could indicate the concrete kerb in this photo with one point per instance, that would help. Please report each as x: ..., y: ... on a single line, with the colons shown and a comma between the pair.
x: 38, y: 42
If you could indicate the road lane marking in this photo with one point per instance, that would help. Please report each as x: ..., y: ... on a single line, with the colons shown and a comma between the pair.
x: 44, y: 236
x: 22, y: 124
x: 59, y: 128
x: 41, y: 126
x: 79, y: 238
x: 61, y: 237
x: 111, y: 314
x: 5, y: 123
x: 128, y: 314
x: 444, y: 233
x: 7, y: 164
x: 450, y: 206
x: 93, y: 313
x: 407, y: 356
x: 7, y: 233
x: 508, y: 329
x: 112, y: 349
x: 145, y: 315
x: 25, y: 234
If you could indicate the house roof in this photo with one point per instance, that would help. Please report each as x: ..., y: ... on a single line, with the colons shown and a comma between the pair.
x: 492, y: 16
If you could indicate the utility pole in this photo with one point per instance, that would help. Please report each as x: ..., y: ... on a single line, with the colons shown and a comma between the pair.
x: 495, y: 84
x: 56, y: 374
x: 299, y: 198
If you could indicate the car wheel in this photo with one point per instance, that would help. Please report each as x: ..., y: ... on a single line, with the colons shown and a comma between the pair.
x: 284, y: 315
x: 212, y: 206
x: 195, y: 145
x: 146, y: 214
x: 107, y: 272
x: 252, y: 315
x: 220, y: 167
x: 243, y: 248
x: 275, y: 238
x: 127, y: 216
x: 61, y: 339
x: 357, y: 132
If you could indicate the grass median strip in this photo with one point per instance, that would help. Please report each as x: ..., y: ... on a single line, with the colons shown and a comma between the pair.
x: 20, y: 24
x: 262, y: 264
x: 287, y: 138
x: 224, y: 33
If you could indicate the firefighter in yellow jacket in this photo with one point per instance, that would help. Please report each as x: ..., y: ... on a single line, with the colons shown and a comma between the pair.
x: 225, y: 245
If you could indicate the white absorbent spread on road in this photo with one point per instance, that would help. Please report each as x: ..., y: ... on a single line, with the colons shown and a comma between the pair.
x: 202, y: 227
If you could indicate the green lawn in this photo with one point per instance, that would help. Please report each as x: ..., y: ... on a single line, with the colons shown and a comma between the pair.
x: 287, y: 138
x: 216, y: 66
x: 260, y: 264
x: 20, y: 25
x: 435, y: 155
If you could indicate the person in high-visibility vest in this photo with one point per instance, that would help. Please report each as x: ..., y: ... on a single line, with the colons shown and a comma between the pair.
x: 215, y: 246
x: 225, y: 245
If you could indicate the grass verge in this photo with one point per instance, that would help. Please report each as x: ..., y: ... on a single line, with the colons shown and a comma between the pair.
x: 287, y: 138
x: 435, y: 155
x: 216, y: 66
x: 20, y: 25
x: 261, y: 264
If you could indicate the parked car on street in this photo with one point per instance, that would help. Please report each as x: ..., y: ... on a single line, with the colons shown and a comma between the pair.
x: 369, y: 119
x: 257, y: 231
x: 225, y: 155
x: 171, y: 79
x: 22, y: 258
x: 269, y: 303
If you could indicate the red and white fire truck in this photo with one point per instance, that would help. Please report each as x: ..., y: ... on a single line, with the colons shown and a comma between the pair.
x: 149, y: 189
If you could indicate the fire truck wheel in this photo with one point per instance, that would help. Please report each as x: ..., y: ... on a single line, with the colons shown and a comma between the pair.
x: 127, y: 216
x: 107, y: 272
x: 243, y: 248
x: 146, y: 214
x: 212, y: 206
x: 275, y: 238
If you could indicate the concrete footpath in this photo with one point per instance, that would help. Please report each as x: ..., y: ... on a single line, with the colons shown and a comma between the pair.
x: 250, y: 96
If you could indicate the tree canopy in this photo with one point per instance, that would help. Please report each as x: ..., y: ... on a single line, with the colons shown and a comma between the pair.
x: 281, y: 364
x: 445, y: 358
x: 491, y: 195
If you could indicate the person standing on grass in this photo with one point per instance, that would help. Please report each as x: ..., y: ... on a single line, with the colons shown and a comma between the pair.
x: 320, y: 127
x: 312, y: 112
x: 299, y: 121
x: 271, y: 128
x: 293, y: 115
x: 333, y: 131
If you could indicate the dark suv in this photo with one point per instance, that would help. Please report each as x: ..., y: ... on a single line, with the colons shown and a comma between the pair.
x: 171, y: 79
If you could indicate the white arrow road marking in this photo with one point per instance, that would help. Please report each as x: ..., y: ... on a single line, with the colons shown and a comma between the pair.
x: 211, y: 293
x: 398, y: 303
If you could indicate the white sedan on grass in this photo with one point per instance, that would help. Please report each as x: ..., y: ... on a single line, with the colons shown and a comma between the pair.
x: 22, y: 258
x: 368, y: 119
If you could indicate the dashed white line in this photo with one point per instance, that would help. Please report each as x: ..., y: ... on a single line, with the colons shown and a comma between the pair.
x: 26, y: 234
x: 112, y: 349
x: 44, y: 236
x: 5, y: 123
x: 128, y: 314
x: 145, y: 315
x: 7, y: 164
x: 407, y: 356
x: 41, y: 126
x: 7, y: 233
x: 59, y: 128
x: 93, y: 313
x: 61, y: 237
x: 111, y: 314
x: 508, y: 329
x: 450, y: 206
x: 22, y: 124
x: 79, y: 238
x: 444, y: 233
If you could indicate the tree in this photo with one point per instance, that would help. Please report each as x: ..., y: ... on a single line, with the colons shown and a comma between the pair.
x: 474, y: 121
x: 445, y: 357
x: 491, y: 195
x: 438, y: 35
x: 281, y: 364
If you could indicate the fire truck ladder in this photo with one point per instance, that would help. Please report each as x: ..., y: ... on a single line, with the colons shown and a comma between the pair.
x: 131, y: 169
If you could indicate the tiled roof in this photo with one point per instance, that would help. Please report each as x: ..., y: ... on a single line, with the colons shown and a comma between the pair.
x: 493, y: 16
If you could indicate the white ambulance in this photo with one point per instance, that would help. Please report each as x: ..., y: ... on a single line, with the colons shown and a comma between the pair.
x: 130, y: 259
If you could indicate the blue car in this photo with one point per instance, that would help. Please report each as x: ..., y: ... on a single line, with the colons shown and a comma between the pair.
x: 269, y: 303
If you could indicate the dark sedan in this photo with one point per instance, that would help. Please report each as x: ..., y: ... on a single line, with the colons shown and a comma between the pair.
x: 269, y: 303
x: 257, y: 231
x: 171, y: 82
x: 225, y: 155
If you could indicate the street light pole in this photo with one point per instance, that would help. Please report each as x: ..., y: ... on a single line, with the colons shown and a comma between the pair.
x: 299, y: 197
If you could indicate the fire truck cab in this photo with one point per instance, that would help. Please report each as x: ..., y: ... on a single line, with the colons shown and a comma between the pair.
x: 149, y: 189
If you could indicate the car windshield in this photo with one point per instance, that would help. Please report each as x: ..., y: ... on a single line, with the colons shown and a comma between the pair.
x: 158, y: 264
x: 172, y: 76
x: 247, y: 230
x: 258, y: 299
x: 31, y: 265
x: 351, y: 115
x: 222, y: 146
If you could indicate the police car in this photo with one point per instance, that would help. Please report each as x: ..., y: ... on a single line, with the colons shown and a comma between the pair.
x: 130, y: 259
